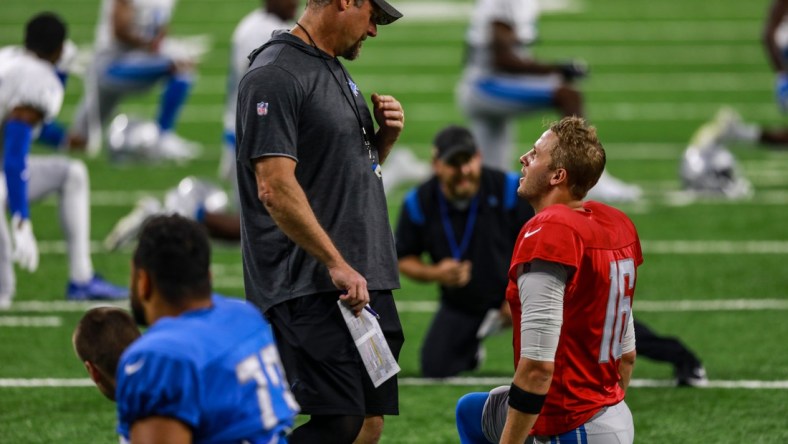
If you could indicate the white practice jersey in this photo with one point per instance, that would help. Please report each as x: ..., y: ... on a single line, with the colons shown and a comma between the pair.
x: 26, y: 80
x: 521, y: 15
x: 150, y: 16
x: 252, y: 31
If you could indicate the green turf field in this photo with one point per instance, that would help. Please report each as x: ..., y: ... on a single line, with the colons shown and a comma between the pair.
x: 712, y: 274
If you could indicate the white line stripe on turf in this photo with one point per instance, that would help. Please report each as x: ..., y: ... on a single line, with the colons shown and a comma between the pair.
x: 420, y: 382
x: 649, y: 306
x: 496, y: 381
x: 30, y: 321
x: 678, y: 247
x: 430, y: 306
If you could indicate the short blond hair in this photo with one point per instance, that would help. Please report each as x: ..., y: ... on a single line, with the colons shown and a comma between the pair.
x: 579, y: 152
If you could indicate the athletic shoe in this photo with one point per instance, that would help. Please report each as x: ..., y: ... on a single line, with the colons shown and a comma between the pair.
x: 692, y: 375
x: 726, y: 126
x: 731, y: 128
x: 127, y: 228
x: 403, y: 166
x: 174, y: 147
x: 610, y: 189
x: 95, y: 289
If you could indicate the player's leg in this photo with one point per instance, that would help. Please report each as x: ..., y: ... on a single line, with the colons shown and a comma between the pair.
x: 494, y: 413
x: 612, y: 425
x: 451, y: 345
x: 7, y: 277
x: 469, y: 418
x: 687, y: 367
x: 99, y: 100
x: 494, y: 136
x: 69, y: 179
x: 176, y: 91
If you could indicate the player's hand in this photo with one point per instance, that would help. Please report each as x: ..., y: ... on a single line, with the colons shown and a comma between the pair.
x: 781, y: 91
x: 573, y: 70
x: 390, y: 118
x: 353, y: 285
x: 25, y: 246
x: 452, y: 273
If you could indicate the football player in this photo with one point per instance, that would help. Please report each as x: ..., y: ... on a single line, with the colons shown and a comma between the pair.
x: 502, y: 80
x: 571, y: 285
x: 31, y: 94
x: 129, y: 59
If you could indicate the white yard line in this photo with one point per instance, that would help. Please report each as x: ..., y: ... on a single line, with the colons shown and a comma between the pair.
x: 430, y: 112
x: 30, y: 321
x: 741, y: 304
x: 496, y: 381
x: 420, y: 382
x: 679, y: 247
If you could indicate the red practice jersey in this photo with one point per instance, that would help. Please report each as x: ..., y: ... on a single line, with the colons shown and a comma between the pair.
x: 601, y: 247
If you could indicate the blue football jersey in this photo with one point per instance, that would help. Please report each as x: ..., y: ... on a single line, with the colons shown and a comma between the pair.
x: 217, y: 370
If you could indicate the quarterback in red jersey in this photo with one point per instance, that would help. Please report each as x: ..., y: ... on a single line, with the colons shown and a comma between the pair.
x: 571, y: 284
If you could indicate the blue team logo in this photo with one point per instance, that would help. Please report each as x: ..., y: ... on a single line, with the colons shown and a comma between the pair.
x: 262, y: 108
x: 353, y: 88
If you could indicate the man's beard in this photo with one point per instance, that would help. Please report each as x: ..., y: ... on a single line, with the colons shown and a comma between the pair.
x: 136, y: 309
x: 353, y: 52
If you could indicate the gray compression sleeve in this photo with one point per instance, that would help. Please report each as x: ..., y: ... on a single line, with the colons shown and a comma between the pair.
x: 542, y: 299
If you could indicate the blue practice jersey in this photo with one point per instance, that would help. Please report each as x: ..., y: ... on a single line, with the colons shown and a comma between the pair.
x: 217, y: 370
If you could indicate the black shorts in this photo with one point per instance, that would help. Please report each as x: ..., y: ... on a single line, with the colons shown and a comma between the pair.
x: 321, y: 361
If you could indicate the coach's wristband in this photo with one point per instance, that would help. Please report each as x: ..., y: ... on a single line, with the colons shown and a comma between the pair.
x: 525, y: 402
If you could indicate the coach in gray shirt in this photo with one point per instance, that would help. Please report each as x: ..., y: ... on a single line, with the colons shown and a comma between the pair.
x: 314, y: 222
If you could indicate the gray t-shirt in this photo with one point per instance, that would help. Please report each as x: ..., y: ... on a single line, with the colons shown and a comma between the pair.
x: 298, y: 102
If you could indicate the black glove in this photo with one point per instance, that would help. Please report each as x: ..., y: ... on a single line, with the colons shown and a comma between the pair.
x: 573, y: 70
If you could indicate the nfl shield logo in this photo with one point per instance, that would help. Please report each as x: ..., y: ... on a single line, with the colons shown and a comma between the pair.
x: 353, y: 87
x: 262, y: 108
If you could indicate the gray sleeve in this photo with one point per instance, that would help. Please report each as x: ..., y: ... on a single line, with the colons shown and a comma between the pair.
x: 542, y: 298
x: 628, y: 343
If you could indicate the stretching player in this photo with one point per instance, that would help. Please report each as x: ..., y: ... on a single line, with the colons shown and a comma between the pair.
x: 129, y: 60
x: 503, y: 80
x: 196, y: 199
x: 31, y: 94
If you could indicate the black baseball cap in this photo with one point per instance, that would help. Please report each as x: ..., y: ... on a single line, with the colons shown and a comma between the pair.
x: 453, y: 140
x: 387, y: 14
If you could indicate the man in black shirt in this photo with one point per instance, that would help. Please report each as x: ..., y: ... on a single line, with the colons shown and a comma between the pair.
x: 314, y: 221
x: 466, y: 218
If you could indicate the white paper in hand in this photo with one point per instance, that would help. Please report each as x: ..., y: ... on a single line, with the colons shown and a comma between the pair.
x: 372, y: 346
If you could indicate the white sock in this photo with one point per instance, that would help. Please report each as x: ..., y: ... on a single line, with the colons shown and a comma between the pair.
x: 75, y: 221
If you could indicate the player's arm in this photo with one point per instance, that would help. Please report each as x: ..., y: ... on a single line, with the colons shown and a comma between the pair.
x: 17, y: 138
x: 505, y: 58
x: 627, y: 363
x: 777, y: 11
x: 282, y: 195
x: 160, y: 430
x: 447, y: 272
x: 124, y: 30
x: 541, y: 286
